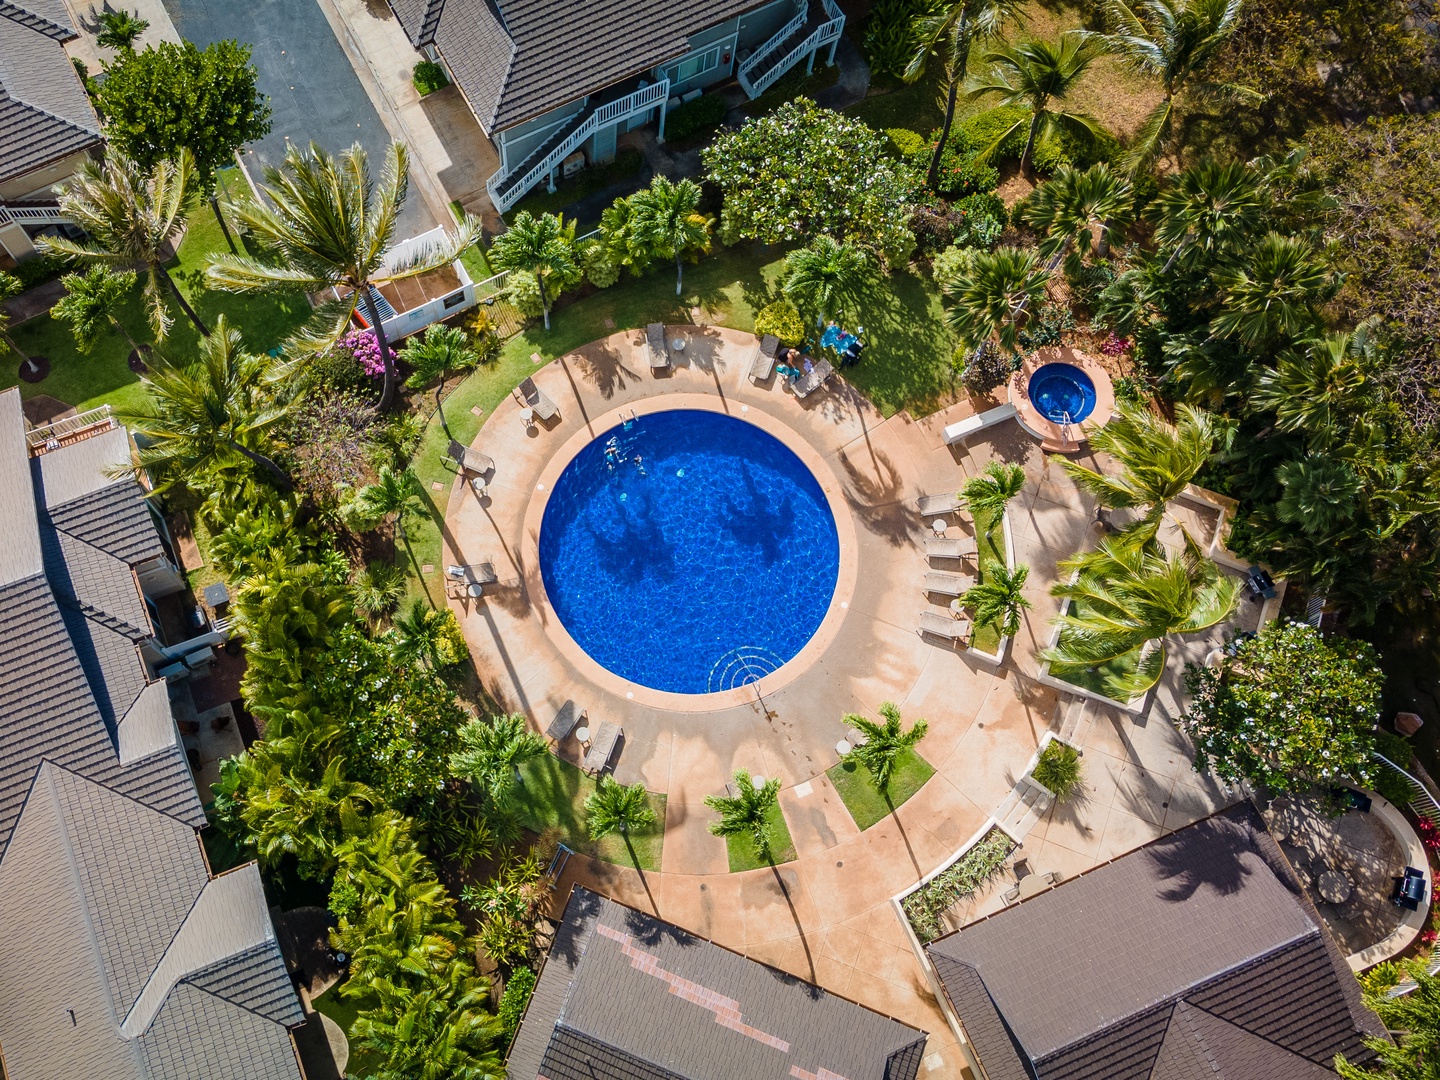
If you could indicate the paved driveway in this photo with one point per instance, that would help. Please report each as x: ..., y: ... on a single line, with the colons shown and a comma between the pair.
x: 312, y: 88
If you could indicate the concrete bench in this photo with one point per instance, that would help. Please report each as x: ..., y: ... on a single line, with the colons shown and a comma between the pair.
x: 971, y: 424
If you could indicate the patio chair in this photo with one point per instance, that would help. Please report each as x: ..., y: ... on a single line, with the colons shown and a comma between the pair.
x: 941, y: 583
x: 472, y: 579
x: 565, y: 722
x: 659, y: 355
x: 602, y: 749
x: 956, y: 631
x: 537, y: 400
x: 940, y: 547
x: 934, y: 505
x: 813, y: 379
x: 469, y: 460
x: 762, y: 360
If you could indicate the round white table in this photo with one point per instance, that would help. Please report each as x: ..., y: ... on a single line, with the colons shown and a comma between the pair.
x: 527, y: 416
x: 1033, y: 885
x: 1334, y: 887
x: 678, y: 344
x: 957, y: 607
x: 582, y: 733
x: 939, y: 525
x: 758, y: 780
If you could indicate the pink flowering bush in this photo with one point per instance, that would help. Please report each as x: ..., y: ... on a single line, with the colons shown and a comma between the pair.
x: 1114, y: 346
x: 363, y: 346
x: 1429, y: 834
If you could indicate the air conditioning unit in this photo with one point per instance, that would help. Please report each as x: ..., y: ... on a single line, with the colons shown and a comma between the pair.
x: 572, y: 164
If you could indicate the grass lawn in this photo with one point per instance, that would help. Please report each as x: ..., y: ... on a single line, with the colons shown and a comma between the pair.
x: 990, y: 542
x: 552, y: 795
x: 744, y: 855
x: 858, y: 792
x: 344, y: 1010
x: 103, y: 376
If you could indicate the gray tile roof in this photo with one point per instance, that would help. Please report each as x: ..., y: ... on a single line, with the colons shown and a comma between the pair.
x: 20, y: 553
x: 517, y: 59
x: 114, y: 519
x: 44, y: 111
x: 199, y: 1036
x: 1081, y: 983
x: 624, y: 995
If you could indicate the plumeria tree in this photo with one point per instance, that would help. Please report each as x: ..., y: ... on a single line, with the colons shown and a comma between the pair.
x: 803, y: 170
x: 1287, y: 709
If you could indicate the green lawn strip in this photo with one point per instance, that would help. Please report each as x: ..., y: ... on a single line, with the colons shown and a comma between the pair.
x: 990, y: 545
x: 344, y: 1010
x: 858, y: 792
x: 744, y: 855
x: 103, y: 376
x: 552, y: 795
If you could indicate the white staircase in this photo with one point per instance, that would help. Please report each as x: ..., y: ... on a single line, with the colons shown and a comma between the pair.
x: 507, y: 187
x: 818, y: 23
x: 1071, y: 724
x: 1023, y: 807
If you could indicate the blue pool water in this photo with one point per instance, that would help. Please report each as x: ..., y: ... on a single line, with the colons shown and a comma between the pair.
x: 1062, y: 392
x: 703, y: 566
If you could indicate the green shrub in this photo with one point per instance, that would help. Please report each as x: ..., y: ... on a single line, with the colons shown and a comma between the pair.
x: 979, y: 131
x: 518, y: 988
x: 1130, y: 389
x: 429, y: 77
x: 987, y: 367
x: 962, y: 173
x: 927, y: 904
x: 600, y: 269
x: 40, y: 269
x: 782, y: 318
x: 889, y: 36
x: 982, y: 220
x: 1395, y: 747
x: 1382, y: 977
x: 702, y: 114
x: 906, y: 144
x: 1058, y: 769
x: 1391, y: 786
x: 524, y: 292
x: 950, y: 265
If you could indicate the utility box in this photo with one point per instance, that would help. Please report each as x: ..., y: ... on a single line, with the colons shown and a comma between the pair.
x: 572, y: 164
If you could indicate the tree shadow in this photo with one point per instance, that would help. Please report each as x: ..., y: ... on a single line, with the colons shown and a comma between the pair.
x: 895, y: 816
x: 795, y: 916
x: 876, y: 497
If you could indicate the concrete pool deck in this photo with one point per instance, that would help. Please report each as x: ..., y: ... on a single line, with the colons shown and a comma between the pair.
x: 825, y: 916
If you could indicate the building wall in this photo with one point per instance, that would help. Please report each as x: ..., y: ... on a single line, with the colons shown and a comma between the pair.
x: 36, y: 185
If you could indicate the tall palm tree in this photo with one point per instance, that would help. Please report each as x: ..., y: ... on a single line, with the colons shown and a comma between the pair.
x: 1210, y: 208
x: 667, y: 220
x: 1273, y: 289
x: 439, y: 1031
x: 1316, y: 387
x: 1077, y: 209
x: 132, y: 218
x: 491, y: 754
x: 619, y: 233
x: 326, y: 225
x: 209, y: 414
x: 990, y: 492
x: 395, y: 493
x: 1033, y: 74
x: 826, y: 275
x: 1157, y: 460
x: 945, y: 34
x: 1126, y: 598
x: 747, y: 812
x: 543, y: 246
x: 989, y: 299
x: 613, y: 807
x: 1173, y: 41
x: 884, y: 743
x: 999, y: 600
x: 1318, y: 494
x: 419, y: 634
x: 90, y: 302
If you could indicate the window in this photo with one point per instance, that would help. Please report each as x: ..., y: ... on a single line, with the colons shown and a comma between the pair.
x: 453, y: 300
x: 696, y: 64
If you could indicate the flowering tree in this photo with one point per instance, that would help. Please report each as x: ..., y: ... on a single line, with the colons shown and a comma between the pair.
x: 1288, y: 709
x: 803, y: 170
x: 362, y: 345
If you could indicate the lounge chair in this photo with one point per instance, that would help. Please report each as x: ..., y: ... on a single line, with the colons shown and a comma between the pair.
x: 812, y: 379
x: 941, y: 547
x: 944, y: 584
x: 956, y: 630
x: 934, y: 505
x: 602, y: 749
x: 762, y: 361
x: 536, y: 399
x: 469, y: 460
x: 565, y: 722
x: 472, y: 578
x: 659, y: 355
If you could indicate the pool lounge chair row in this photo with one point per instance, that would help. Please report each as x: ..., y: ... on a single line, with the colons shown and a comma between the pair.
x: 602, y: 747
x: 956, y: 631
x: 949, y: 547
x: 943, y: 583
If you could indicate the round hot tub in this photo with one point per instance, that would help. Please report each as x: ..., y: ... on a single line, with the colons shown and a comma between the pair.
x: 1062, y: 393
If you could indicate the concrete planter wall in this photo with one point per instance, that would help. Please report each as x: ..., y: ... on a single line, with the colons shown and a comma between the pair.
x: 998, y: 656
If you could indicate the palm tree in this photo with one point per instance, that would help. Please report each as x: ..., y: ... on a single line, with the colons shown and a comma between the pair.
x: 420, y: 633
x: 999, y: 600
x: 119, y: 29
x: 1173, y: 41
x: 326, y: 226
x: 131, y: 218
x: 613, y: 807
x: 620, y: 235
x: 1314, y: 388
x: 394, y: 494
x: 1157, y: 460
x: 1075, y: 208
x: 884, y: 743
x: 543, y: 246
x: 288, y: 816
x: 438, y: 1031
x: 1318, y: 494
x: 747, y: 812
x: 210, y: 413
x: 824, y: 276
x: 988, y: 494
x: 667, y: 219
x: 1126, y: 598
x: 90, y: 301
x: 1272, y: 290
x: 946, y: 34
x: 491, y: 754
x: 1034, y: 73
x: 989, y: 298
x: 1210, y: 208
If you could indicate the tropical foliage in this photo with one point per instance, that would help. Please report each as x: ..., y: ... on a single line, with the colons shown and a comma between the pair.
x: 999, y: 601
x: 884, y: 742
x: 544, y: 248
x: 747, y: 812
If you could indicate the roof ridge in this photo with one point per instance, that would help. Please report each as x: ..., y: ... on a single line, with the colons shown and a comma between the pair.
x: 66, y: 33
x: 24, y: 104
x: 1182, y: 1010
x: 189, y: 980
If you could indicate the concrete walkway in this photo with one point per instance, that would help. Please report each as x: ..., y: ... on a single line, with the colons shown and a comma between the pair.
x: 854, y: 81
x: 826, y: 916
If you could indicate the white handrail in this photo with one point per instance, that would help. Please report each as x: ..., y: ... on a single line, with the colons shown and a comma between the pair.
x: 69, y: 425
x: 777, y: 39
x: 824, y: 33
x: 1421, y: 801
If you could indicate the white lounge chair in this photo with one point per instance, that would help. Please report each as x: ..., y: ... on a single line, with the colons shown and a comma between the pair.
x: 936, y: 625
x: 537, y: 400
x: 941, y: 583
x: 971, y: 424
x: 597, y: 758
x: 468, y: 459
x: 943, y: 547
x: 934, y: 505
x: 659, y: 355
x: 762, y: 361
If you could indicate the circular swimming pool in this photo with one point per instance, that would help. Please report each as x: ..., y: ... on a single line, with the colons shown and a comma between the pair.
x: 689, y: 552
x: 1062, y: 393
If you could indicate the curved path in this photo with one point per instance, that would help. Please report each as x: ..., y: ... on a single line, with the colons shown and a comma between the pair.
x: 825, y: 916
